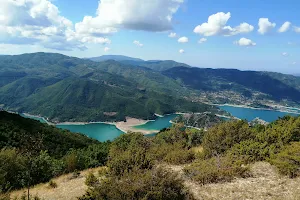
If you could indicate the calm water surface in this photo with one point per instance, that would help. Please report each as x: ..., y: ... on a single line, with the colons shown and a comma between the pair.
x: 249, y: 114
x: 104, y: 132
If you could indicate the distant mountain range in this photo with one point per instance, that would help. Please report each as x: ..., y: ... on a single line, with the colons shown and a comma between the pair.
x: 66, y: 88
x: 158, y: 65
x: 114, y: 57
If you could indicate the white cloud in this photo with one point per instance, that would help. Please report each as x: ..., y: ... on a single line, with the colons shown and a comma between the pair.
x: 297, y: 29
x: 285, y: 27
x: 137, y: 43
x: 106, y: 49
x: 265, y: 26
x: 112, y: 15
x: 183, y: 40
x: 172, y: 35
x: 216, y: 25
x: 245, y: 42
x: 202, y: 40
x: 294, y: 63
x: 181, y: 51
x: 38, y: 22
x: 285, y: 54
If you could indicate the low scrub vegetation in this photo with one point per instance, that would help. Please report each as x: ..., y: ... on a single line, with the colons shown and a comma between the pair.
x: 216, y: 169
x: 132, y: 163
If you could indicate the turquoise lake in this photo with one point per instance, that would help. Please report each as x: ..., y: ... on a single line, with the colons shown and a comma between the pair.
x: 249, y: 114
x: 104, y: 132
x: 98, y: 131
x: 158, y: 124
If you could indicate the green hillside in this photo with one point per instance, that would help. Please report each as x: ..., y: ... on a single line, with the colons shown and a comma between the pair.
x: 64, y: 88
x: 273, y: 86
x: 32, y: 152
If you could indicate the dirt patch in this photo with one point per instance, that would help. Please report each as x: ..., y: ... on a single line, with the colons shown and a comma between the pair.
x: 68, y: 188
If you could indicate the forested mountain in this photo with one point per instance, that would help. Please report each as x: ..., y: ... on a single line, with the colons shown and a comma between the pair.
x: 268, y: 85
x: 66, y: 88
x: 157, y: 65
x: 70, y: 89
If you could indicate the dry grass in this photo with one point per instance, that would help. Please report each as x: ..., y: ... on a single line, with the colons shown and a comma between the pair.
x: 198, y: 149
x: 67, y: 188
x: 265, y: 183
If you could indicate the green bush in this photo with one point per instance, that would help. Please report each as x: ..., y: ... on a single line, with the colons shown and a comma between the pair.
x: 179, y: 156
x: 129, y: 152
x: 215, y: 170
x: 91, y: 180
x: 280, y: 133
x: 52, y: 184
x: 222, y: 137
x: 12, y: 170
x: 288, y: 160
x: 251, y: 151
x: 195, y: 137
x: 141, y: 184
x: 176, y: 134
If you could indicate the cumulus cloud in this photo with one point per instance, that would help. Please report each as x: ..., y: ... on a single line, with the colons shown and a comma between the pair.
x: 172, y: 35
x: 245, y: 42
x: 285, y: 27
x: 216, y: 25
x: 106, y: 49
x: 285, y: 54
x: 265, y: 26
x: 39, y: 22
x: 202, y: 40
x: 181, y: 51
x: 297, y: 29
x: 137, y: 43
x: 112, y: 15
x: 183, y: 40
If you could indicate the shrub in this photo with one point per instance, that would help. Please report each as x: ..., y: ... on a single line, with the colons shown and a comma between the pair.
x: 288, y: 160
x: 280, y: 133
x: 222, y: 137
x: 129, y: 152
x: 12, y: 168
x: 251, y: 151
x: 140, y: 184
x: 179, y: 156
x: 52, y: 184
x: 91, y: 180
x: 215, y: 170
x: 176, y: 134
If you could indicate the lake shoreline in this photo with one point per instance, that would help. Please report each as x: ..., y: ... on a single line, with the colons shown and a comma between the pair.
x: 283, y: 109
x: 125, y: 127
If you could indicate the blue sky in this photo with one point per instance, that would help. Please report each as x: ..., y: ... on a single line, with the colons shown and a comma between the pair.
x: 114, y: 25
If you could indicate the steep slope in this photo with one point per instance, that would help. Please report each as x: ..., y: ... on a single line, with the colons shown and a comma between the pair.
x: 70, y: 89
x: 76, y: 99
x: 278, y: 88
x: 18, y: 132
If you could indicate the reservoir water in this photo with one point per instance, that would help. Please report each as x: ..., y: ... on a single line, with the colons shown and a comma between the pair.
x: 104, y: 132
x: 250, y: 114
x: 98, y: 131
x: 158, y: 124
